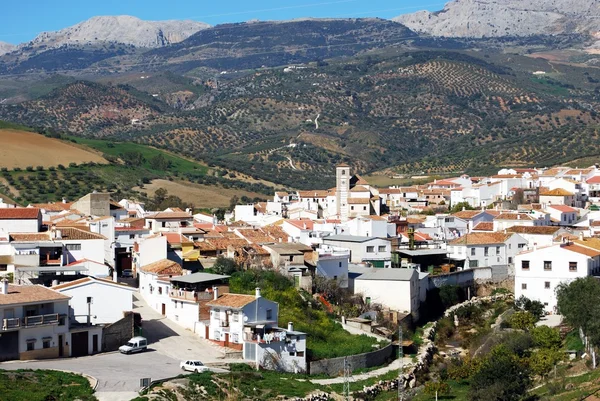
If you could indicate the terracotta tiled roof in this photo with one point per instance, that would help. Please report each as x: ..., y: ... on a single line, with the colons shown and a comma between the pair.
x: 358, y: 180
x: 577, y: 171
x: 314, y: 194
x: 170, y: 215
x: 514, y: 216
x: 88, y: 280
x: 467, y: 214
x: 236, y: 301
x: 70, y: 233
x: 163, y: 267
x: 481, y: 239
x: 589, y: 243
x: 204, y: 246
x: 358, y: 201
x: 582, y: 250
x: 539, y: 230
x: 53, y: 206
x: 359, y: 188
x: 594, y: 180
x: 484, y: 226
x: 22, y: 294
x: 564, y: 208
x: 557, y: 192
x: 19, y: 213
x: 26, y: 237
x: 302, y: 224
x: 390, y: 191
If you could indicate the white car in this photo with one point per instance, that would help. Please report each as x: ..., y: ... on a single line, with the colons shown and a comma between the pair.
x: 193, y: 366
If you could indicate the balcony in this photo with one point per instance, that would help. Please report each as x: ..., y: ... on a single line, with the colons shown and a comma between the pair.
x: 31, y: 321
x: 193, y: 296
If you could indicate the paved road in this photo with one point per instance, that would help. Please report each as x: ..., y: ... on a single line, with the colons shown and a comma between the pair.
x: 119, y: 375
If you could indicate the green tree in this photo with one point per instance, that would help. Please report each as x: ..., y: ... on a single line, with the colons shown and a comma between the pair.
x: 579, y: 303
x: 233, y: 202
x: 132, y: 158
x: 546, y: 337
x: 542, y: 361
x: 437, y: 388
x: 522, y: 320
x: 450, y: 295
x: 460, y: 206
x: 159, y: 162
x: 501, y: 377
x: 536, y: 308
x: 225, y: 266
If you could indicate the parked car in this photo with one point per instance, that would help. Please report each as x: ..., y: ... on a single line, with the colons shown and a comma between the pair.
x: 136, y: 344
x: 192, y: 366
x: 127, y: 273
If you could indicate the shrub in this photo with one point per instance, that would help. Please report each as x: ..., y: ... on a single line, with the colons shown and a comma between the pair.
x: 546, y: 337
x: 536, y: 308
x: 522, y: 320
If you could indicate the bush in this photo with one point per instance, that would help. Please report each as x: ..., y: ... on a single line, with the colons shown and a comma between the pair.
x: 536, y: 308
x: 522, y: 320
x: 546, y: 337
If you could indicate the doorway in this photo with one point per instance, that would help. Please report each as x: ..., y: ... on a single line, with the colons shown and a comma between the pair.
x: 95, y: 344
x: 164, y: 309
x: 61, y: 350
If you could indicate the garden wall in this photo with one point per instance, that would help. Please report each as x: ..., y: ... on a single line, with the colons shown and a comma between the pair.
x: 335, y: 366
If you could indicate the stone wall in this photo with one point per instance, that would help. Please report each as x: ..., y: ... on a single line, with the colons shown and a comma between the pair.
x: 44, y: 353
x: 116, y: 334
x: 335, y: 366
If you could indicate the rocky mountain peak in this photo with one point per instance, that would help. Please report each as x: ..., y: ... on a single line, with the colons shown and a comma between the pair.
x: 6, y: 47
x: 121, y: 29
x: 497, y: 18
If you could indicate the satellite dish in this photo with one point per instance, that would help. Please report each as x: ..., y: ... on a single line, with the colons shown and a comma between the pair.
x: 245, y: 318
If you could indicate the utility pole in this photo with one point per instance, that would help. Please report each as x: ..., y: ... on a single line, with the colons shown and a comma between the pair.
x: 401, y: 368
x: 347, y: 374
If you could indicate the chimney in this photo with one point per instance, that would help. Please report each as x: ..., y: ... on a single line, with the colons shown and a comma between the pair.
x: 4, y: 287
x: 215, y: 293
x: 257, y: 292
x: 64, y: 200
x: 464, y: 208
x: 115, y: 276
x: 290, y: 326
x: 518, y: 217
x: 581, y: 236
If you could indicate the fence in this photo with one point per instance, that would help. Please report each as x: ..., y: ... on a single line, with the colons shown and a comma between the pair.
x: 335, y: 366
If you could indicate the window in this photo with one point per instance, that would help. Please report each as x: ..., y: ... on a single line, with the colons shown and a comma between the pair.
x: 364, y: 208
x: 547, y: 285
x: 3, y: 268
x: 472, y: 251
x: 486, y: 251
x: 370, y: 249
x: 235, y: 317
x: 572, y: 266
x: 340, y: 264
x: 510, y: 260
x: 473, y: 263
x: 235, y: 337
x: 30, y: 346
x: 300, y: 353
x: 351, y: 207
x: 524, y: 265
x: 131, y: 236
x: 269, y: 314
x: 381, y: 248
x: 547, y: 265
x: 73, y: 247
x: 164, y: 223
x: 343, y: 172
x: 497, y: 250
x: 521, y: 246
x: 368, y: 300
x: 524, y: 286
x: 159, y: 290
x: 46, y: 344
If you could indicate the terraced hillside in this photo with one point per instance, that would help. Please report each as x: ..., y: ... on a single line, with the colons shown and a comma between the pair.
x: 428, y: 110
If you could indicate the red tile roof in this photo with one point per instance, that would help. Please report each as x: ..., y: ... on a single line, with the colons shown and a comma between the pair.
x: 564, y: 208
x: 481, y: 239
x: 594, y: 180
x: 484, y: 226
x: 557, y: 192
x: 163, y: 267
x: 236, y: 301
x: 23, y: 294
x: 19, y: 213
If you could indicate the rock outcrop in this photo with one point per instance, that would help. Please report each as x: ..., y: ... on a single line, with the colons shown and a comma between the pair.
x: 498, y: 18
x: 6, y: 47
x: 120, y: 29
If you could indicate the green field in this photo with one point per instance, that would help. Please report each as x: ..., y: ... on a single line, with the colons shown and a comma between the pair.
x: 44, y: 385
x: 116, y: 149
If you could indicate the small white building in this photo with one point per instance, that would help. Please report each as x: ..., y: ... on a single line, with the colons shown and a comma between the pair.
x: 155, y: 284
x: 539, y: 271
x: 97, y: 301
x: 332, y: 264
x: 483, y: 249
x: 376, y: 251
x: 397, y: 289
x: 20, y: 220
x: 539, y: 236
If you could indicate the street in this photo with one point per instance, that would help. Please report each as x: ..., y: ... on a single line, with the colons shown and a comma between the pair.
x: 119, y: 375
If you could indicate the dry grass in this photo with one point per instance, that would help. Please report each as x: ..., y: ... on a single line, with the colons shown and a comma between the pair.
x: 22, y: 149
x: 201, y: 196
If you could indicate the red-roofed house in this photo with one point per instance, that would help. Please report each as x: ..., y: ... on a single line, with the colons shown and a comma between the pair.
x: 593, y: 188
x: 563, y: 215
x: 20, y: 220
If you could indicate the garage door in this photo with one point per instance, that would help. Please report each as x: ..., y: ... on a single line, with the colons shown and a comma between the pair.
x: 79, y: 344
x: 9, y: 346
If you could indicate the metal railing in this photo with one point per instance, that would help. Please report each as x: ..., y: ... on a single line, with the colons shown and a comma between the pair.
x: 191, y: 295
x: 30, y: 321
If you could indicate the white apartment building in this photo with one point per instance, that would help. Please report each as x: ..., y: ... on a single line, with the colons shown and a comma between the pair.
x: 375, y: 251
x: 482, y: 249
x: 539, y: 271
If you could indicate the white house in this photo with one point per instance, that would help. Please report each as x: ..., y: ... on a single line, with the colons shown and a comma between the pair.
x: 483, y: 249
x: 97, y: 301
x: 539, y: 271
x: 34, y: 322
x: 249, y: 323
x: 333, y: 264
x: 397, y: 289
x: 375, y: 251
x: 20, y: 220
x: 370, y: 226
x: 537, y: 236
x: 563, y: 215
x: 169, y: 221
x: 154, y: 283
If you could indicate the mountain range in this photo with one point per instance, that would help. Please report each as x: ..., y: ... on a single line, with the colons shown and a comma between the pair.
x: 499, y: 18
x: 285, y: 100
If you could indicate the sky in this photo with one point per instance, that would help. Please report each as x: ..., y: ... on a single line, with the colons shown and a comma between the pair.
x: 21, y: 21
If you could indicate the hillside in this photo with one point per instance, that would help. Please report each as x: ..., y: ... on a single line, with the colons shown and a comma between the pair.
x: 6, y: 47
x: 434, y: 111
x: 500, y: 18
